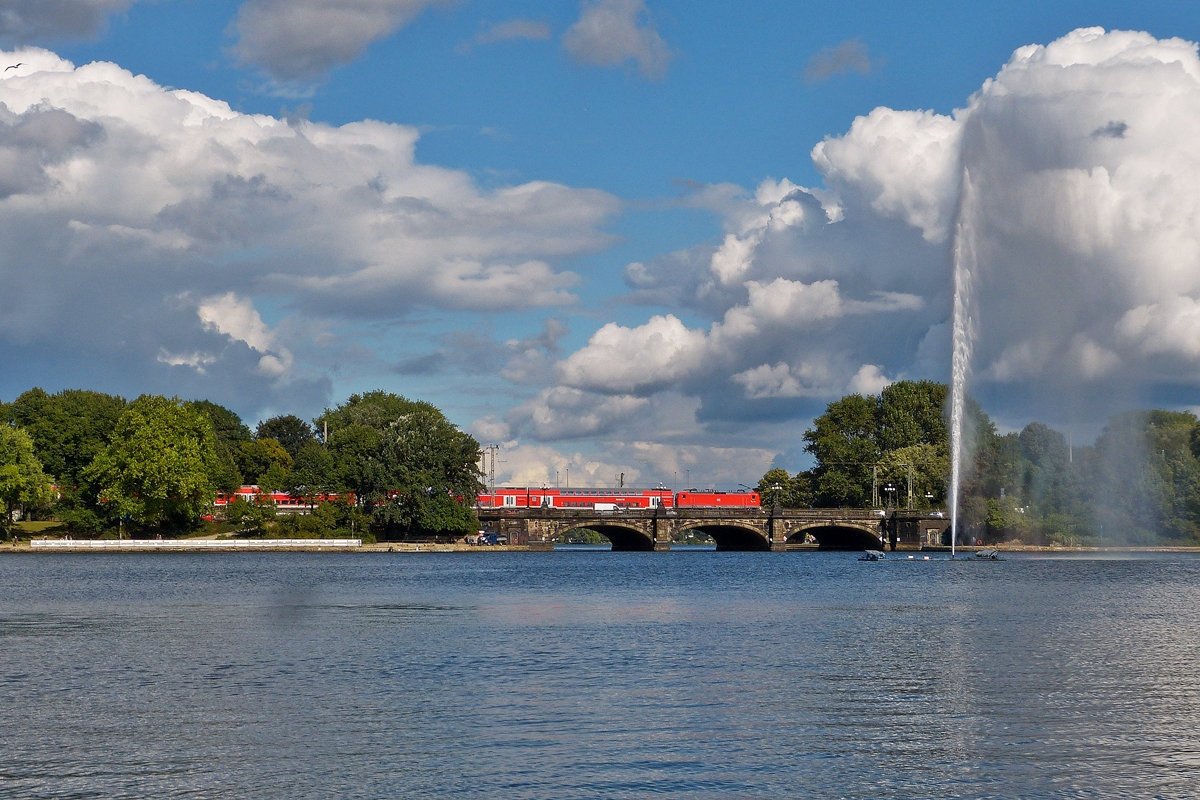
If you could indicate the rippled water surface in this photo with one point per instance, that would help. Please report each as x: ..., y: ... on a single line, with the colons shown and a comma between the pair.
x: 597, y: 674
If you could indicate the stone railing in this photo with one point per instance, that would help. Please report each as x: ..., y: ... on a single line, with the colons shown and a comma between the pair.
x: 192, y: 544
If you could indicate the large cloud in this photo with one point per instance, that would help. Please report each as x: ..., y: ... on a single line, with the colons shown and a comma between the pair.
x: 141, y: 224
x: 1073, y: 177
x: 1083, y: 207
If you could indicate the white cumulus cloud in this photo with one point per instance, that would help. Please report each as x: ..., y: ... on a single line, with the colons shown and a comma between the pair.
x: 126, y: 195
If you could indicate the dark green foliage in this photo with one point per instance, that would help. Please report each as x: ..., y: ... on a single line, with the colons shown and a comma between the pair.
x: 1139, y: 484
x: 68, y: 429
x: 843, y: 439
x: 313, y: 472
x: 793, y: 492
x: 230, y: 433
x: 23, y: 484
x: 1148, y: 476
x: 253, y: 518
x: 910, y: 413
x: 859, y: 440
x: 263, y: 462
x: 227, y: 425
x: 157, y: 469
x: 406, y: 463
x: 158, y: 461
x: 289, y: 430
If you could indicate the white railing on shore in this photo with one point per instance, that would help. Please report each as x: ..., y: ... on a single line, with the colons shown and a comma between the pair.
x: 190, y: 544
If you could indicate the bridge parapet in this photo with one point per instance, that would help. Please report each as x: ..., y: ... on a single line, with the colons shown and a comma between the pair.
x: 733, y: 529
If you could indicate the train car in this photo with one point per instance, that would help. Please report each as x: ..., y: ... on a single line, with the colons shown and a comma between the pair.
x: 615, y: 499
x: 608, y: 499
x: 284, y: 502
x: 694, y: 499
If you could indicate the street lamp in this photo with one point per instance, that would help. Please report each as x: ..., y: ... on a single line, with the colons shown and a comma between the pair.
x: 890, y: 489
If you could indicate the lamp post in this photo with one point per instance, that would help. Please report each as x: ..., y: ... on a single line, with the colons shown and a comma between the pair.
x: 889, y: 489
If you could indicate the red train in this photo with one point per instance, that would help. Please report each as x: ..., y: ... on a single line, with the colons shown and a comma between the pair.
x: 284, y: 502
x: 615, y: 499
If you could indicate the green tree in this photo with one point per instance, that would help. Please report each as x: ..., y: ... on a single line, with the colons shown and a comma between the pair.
x: 68, y: 429
x: 1147, y: 479
x: 289, y: 430
x: 230, y: 434
x: 927, y: 464
x: 251, y: 517
x: 793, y: 492
x: 408, y: 464
x: 843, y: 440
x: 158, y: 468
x: 912, y: 413
x: 264, y: 461
x: 22, y: 482
x: 313, y: 472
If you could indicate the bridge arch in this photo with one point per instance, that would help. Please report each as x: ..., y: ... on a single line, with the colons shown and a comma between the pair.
x: 624, y: 538
x: 839, y: 536
x: 730, y: 536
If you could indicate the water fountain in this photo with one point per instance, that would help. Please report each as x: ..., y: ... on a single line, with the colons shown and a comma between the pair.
x: 964, y: 267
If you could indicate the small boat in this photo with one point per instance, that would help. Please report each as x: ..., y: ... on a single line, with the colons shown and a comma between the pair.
x: 871, y: 555
x: 989, y: 554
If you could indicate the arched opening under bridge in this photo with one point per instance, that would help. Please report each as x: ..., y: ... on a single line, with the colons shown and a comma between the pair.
x: 839, y: 537
x: 734, y: 537
x: 623, y: 538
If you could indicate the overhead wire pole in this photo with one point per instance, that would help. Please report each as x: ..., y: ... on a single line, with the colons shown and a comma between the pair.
x: 489, y: 457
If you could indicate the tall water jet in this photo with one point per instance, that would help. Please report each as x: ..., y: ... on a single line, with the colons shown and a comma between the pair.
x: 964, y: 268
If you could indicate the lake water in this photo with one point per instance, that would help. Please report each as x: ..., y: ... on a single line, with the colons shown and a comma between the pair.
x: 597, y: 675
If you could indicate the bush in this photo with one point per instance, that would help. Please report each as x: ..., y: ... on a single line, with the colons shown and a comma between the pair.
x: 80, y: 521
x: 254, y: 517
x: 330, y: 520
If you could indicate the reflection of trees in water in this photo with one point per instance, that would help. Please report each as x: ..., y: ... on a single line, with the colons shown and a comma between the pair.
x: 692, y: 537
x: 589, y: 536
x: 581, y: 536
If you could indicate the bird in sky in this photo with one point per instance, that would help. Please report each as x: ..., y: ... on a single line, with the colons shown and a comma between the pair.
x: 14, y: 66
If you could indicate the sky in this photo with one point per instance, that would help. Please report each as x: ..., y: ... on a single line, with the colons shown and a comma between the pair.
x: 638, y: 236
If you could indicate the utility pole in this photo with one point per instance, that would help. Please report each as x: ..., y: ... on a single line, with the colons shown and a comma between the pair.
x: 490, y: 451
x: 910, y: 479
x: 875, y: 486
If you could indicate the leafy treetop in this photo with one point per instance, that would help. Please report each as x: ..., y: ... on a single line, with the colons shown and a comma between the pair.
x: 160, y: 466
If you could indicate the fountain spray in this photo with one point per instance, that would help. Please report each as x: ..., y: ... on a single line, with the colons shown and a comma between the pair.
x: 964, y: 268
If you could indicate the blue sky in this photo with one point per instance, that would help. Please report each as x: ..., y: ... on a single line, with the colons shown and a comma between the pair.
x: 671, y: 114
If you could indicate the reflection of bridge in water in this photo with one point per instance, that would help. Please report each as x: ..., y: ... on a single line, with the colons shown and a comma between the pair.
x: 732, y: 529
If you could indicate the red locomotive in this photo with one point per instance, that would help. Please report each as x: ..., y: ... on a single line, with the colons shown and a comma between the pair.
x: 615, y: 499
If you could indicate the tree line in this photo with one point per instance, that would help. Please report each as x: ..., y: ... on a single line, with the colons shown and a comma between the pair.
x: 1139, y: 483
x: 96, y: 463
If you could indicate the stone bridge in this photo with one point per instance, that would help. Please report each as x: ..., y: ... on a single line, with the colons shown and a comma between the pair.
x: 732, y: 529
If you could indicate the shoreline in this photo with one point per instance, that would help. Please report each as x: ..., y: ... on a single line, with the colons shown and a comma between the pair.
x: 209, y: 545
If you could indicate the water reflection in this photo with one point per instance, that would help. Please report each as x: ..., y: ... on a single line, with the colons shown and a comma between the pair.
x: 598, y: 675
